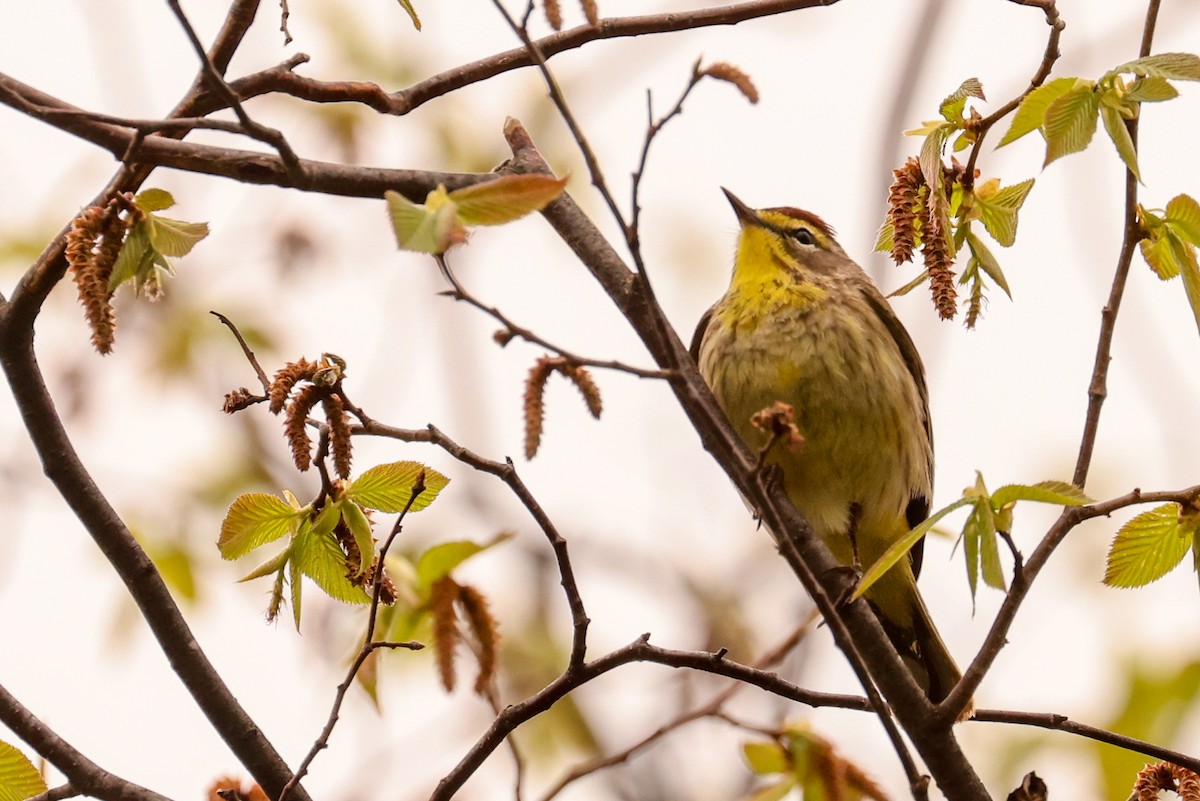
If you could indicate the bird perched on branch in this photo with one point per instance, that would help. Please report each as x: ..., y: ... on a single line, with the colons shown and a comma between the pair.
x: 804, y: 325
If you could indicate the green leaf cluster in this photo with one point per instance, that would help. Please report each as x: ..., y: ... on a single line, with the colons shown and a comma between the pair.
x: 19, y: 779
x: 1153, y: 544
x: 799, y: 759
x: 441, y: 222
x: 151, y: 242
x: 994, y: 206
x: 1066, y: 111
x: 314, y: 550
x: 1171, y: 237
x: 991, y: 514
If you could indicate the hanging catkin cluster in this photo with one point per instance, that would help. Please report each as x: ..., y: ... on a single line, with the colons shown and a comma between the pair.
x: 93, y: 244
x: 535, y: 390
x: 913, y: 222
x: 296, y: 390
x: 448, y: 599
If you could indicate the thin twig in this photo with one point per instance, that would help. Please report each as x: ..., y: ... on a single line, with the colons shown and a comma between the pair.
x: 507, y: 473
x: 638, y: 651
x: 85, y: 776
x: 250, y: 357
x: 564, y: 110
x: 1098, y: 388
x: 1097, y: 392
x: 217, y: 83
x: 653, y: 128
x: 1023, y: 578
x: 458, y: 292
x: 711, y: 709
x: 1063, y: 723
x: 368, y: 647
x: 1056, y: 24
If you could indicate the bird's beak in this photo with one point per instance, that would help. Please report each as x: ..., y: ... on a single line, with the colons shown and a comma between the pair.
x: 745, y: 214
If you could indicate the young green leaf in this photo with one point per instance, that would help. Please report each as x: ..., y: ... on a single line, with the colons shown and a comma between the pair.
x: 1032, y: 111
x: 174, y: 237
x: 1160, y: 255
x: 506, y: 198
x: 135, y: 257
x: 773, y: 792
x: 412, y: 13
x: 982, y: 525
x: 153, y: 200
x: 1060, y: 493
x: 295, y: 584
x: 272, y: 565
x: 910, y: 286
x: 998, y: 210
x: 985, y: 259
x: 1182, y: 66
x: 360, y: 528
x: 388, y: 487
x: 1147, y: 548
x: 1152, y: 89
x: 1070, y: 121
x: 766, y: 757
x: 319, y: 557
x: 1114, y: 124
x: 900, y: 548
x: 430, y: 228
x: 1185, y: 257
x: 952, y: 107
x: 437, y: 562
x: 931, y: 164
x: 19, y: 779
x: 252, y: 521
x: 884, y: 238
x: 1183, y: 213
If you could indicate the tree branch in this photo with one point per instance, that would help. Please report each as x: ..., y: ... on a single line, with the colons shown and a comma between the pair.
x: 508, y: 474
x: 856, y: 630
x: 1098, y: 388
x: 399, y: 103
x: 638, y: 651
x: 1063, y: 723
x: 85, y: 776
x: 63, y: 467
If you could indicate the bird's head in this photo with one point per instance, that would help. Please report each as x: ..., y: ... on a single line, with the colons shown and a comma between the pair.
x: 784, y: 240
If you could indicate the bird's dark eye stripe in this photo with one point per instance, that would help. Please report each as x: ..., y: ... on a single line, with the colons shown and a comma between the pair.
x: 804, y: 236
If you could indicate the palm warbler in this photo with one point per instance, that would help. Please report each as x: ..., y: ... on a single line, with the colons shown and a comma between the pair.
x: 803, y: 324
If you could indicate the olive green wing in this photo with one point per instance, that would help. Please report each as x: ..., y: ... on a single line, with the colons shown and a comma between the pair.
x: 918, y: 505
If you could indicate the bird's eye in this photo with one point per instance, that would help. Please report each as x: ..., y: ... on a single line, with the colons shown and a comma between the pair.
x: 804, y: 236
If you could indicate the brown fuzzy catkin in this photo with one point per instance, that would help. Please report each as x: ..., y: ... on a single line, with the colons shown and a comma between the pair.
x: 591, y: 12
x: 553, y: 14
x: 724, y: 71
x: 582, y: 379
x: 904, y: 200
x: 91, y: 253
x: 296, y: 425
x: 939, y: 261
x: 286, y: 378
x: 339, y: 434
x: 535, y: 409
x: 486, y: 630
x: 443, y: 594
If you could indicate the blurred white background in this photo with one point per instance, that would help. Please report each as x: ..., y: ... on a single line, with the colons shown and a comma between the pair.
x: 646, y: 512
